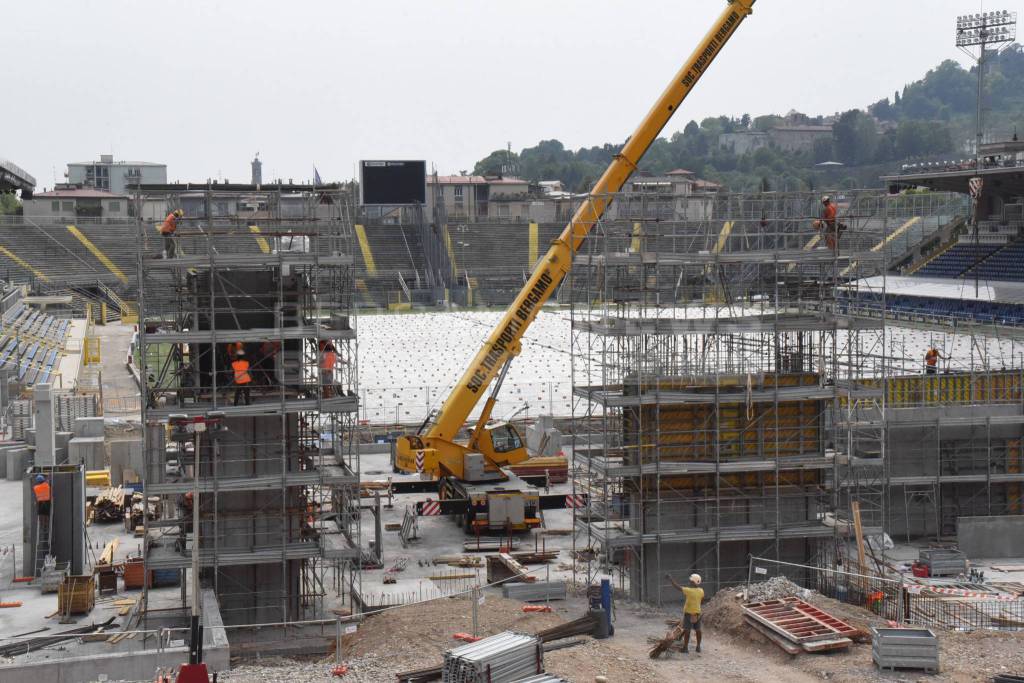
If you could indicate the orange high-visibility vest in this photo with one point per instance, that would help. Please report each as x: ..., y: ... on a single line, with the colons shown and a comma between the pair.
x: 169, y: 225
x: 241, y: 368
x: 932, y: 357
x: 42, y: 492
x: 328, y: 360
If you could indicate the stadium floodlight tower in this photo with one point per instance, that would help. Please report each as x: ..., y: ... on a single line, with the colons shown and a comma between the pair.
x: 991, y: 32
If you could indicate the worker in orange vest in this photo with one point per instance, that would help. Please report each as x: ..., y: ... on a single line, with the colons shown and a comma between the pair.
x: 243, y: 379
x: 328, y: 359
x: 167, y: 230
x: 828, y: 224
x: 931, y: 360
x: 41, y: 490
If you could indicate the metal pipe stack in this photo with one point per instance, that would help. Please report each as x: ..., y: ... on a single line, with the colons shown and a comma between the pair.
x: 502, y: 658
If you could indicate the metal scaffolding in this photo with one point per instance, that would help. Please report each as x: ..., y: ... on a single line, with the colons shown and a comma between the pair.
x: 719, y: 383
x: 278, y: 468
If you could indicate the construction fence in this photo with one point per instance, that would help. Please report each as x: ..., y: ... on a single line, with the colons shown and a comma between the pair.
x: 898, y: 601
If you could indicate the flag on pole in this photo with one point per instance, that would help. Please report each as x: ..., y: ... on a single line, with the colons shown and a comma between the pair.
x: 316, y: 176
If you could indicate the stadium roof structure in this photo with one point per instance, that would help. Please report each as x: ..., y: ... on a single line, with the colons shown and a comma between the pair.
x: 1002, y: 181
x: 13, y: 177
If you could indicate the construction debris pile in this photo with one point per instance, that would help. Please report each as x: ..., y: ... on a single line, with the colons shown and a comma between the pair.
x: 775, y: 588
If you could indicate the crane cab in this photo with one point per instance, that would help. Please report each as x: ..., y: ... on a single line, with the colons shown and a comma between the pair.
x: 480, y: 460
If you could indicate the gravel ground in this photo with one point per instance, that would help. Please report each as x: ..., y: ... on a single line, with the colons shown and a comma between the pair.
x: 416, y: 637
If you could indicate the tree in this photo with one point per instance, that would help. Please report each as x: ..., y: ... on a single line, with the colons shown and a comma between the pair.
x: 9, y: 203
x: 745, y: 121
x: 855, y: 136
x: 882, y: 110
x: 496, y: 163
x: 822, y: 150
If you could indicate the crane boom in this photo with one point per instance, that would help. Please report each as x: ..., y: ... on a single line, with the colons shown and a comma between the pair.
x: 505, y: 340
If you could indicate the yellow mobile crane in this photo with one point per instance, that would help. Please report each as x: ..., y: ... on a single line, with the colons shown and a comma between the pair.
x: 472, y: 480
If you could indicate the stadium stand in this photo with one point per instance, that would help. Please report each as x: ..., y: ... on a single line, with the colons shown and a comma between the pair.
x: 31, y: 343
x: 1006, y: 264
x: 956, y: 260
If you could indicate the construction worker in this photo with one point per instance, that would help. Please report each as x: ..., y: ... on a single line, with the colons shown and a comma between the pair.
x: 167, y: 230
x: 693, y: 595
x: 328, y: 359
x: 931, y: 360
x: 243, y: 380
x: 828, y: 224
x: 41, y: 490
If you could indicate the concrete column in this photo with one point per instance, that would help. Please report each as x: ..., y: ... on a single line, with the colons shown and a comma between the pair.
x: 46, y: 447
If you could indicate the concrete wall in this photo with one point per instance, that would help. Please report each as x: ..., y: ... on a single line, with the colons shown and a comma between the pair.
x: 730, y: 568
x: 67, y: 543
x: 130, y: 666
x: 991, y: 537
x: 921, y: 442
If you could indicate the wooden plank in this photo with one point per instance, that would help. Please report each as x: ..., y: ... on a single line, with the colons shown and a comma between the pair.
x: 858, y: 530
x: 786, y: 645
x: 107, y: 556
x: 827, y: 645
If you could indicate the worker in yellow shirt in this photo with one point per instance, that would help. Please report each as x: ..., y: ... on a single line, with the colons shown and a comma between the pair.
x: 693, y: 595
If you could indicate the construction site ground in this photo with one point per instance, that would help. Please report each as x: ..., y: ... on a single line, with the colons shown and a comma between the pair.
x: 37, y: 609
x: 416, y: 636
x: 439, y: 536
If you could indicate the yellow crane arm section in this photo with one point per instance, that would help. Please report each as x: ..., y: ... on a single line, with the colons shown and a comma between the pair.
x: 553, y: 267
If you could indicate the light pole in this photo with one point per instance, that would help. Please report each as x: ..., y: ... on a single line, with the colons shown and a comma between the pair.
x: 397, y: 408
x: 989, y: 32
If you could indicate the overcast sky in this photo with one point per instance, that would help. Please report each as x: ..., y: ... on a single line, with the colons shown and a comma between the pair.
x: 202, y: 86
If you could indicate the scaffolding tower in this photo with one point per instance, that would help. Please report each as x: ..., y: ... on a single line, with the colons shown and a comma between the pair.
x: 264, y: 277
x: 719, y: 383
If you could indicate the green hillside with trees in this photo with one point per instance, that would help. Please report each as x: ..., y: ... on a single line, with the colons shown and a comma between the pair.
x: 930, y: 118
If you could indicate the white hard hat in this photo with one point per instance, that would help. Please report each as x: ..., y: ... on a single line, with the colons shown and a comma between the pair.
x: 695, y: 578
x: 826, y: 198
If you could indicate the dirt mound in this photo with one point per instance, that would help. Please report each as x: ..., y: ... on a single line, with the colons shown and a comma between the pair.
x: 724, y: 612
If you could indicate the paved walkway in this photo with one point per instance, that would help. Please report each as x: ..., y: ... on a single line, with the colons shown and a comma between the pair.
x: 120, y: 391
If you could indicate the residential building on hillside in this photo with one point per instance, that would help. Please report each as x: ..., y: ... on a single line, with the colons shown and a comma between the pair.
x: 666, y: 197
x: 788, y: 138
x: 477, y: 198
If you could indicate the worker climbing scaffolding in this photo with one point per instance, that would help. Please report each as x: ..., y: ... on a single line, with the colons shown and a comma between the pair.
x: 167, y: 230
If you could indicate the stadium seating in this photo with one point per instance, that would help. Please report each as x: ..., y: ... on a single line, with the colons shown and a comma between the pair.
x: 1006, y: 264
x: 31, y: 342
x: 956, y: 260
